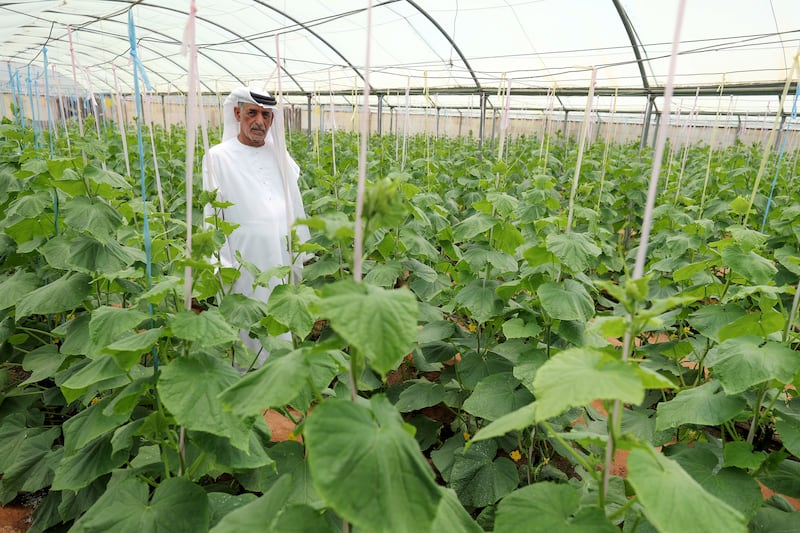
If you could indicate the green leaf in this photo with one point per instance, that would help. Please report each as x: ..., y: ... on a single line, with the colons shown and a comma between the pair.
x: 227, y: 458
x: 199, y: 408
x: 497, y: 395
x: 384, y: 274
x: 42, y: 363
x: 94, y: 460
x: 758, y: 323
x: 381, y: 324
x: 473, y: 226
x: 481, y: 300
x: 242, y: 311
x: 90, y: 256
x: 787, y: 422
x: 703, y: 405
x: 16, y: 287
x: 106, y: 177
x: 516, y: 328
x: 739, y: 454
x: 275, y: 384
x: 435, y: 331
x: 574, y: 250
x: 516, y: 420
x: 744, y: 362
x: 273, y: 512
x: 784, y: 479
x: 731, y: 485
x: 108, y: 323
x: 222, y: 503
x: 479, y: 478
x: 89, y: 424
x: 566, y: 301
x: 420, y: 394
x: 402, y: 496
x: 710, y: 319
x: 578, y: 376
x: 92, y: 216
x: 97, y: 371
x: 673, y: 501
x: 755, y: 268
x: 64, y: 294
x: 128, y: 350
x: 177, y: 505
x: 208, y: 328
x: 547, y: 507
x: 291, y: 306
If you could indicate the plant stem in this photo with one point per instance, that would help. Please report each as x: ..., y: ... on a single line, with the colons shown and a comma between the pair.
x: 756, y: 414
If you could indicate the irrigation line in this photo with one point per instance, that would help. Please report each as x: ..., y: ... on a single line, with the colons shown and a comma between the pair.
x: 647, y: 222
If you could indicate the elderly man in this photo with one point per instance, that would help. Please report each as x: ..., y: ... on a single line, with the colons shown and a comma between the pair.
x: 252, y: 170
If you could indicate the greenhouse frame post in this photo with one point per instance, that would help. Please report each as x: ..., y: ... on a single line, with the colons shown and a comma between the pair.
x: 308, y: 104
x: 482, y: 125
x: 648, y: 112
x: 380, y: 115
x: 781, y: 134
x: 658, y: 121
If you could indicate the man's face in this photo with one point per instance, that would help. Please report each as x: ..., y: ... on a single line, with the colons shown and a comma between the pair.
x: 254, y: 123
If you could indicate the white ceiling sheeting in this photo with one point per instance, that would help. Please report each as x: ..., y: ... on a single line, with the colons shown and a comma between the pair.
x: 450, y: 49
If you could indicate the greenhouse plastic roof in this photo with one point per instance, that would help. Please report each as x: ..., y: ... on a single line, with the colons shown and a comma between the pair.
x: 446, y: 52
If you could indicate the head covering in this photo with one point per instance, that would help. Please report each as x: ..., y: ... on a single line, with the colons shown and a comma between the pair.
x: 252, y: 96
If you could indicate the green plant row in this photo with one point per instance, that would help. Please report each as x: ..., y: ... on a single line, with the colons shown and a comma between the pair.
x: 483, y: 344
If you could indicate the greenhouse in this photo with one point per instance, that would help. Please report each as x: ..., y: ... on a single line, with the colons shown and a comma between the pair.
x: 399, y: 265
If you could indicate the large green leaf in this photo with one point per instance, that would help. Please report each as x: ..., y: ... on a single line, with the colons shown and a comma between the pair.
x: 128, y: 350
x: 106, y: 177
x: 759, y: 323
x: 92, y: 216
x: 199, y: 408
x: 97, y: 371
x: 275, y: 384
x: 481, y: 300
x: 473, y: 226
x: 547, y: 507
x: 673, y: 501
x: 732, y: 485
x: 274, y: 513
x: 575, y: 250
x: 291, y: 306
x: 24, y: 456
x: 703, y: 405
x: 566, y: 301
x: 709, y: 319
x: 744, y: 362
x: 420, y: 393
x: 479, y: 477
x: 108, y: 323
x: 208, y: 328
x: 94, y: 460
x: 755, y: 268
x: 497, y: 395
x: 783, y: 479
x: 88, y: 425
x: 787, y: 422
x: 177, y: 505
x: 242, y: 311
x: 227, y: 458
x: 379, y: 323
x: 42, y: 363
x: 90, y: 256
x: 514, y: 421
x: 64, y: 294
x: 578, y: 376
x: 382, y: 483
x: 16, y: 287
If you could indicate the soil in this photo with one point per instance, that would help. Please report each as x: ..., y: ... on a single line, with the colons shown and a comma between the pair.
x: 14, y: 518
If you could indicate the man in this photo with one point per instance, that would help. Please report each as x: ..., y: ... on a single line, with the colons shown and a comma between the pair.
x: 251, y: 169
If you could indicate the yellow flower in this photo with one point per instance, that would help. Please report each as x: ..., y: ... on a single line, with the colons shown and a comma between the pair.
x: 472, y: 328
x: 95, y: 400
x: 516, y: 456
x: 291, y: 436
x: 467, y: 436
x: 687, y: 329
